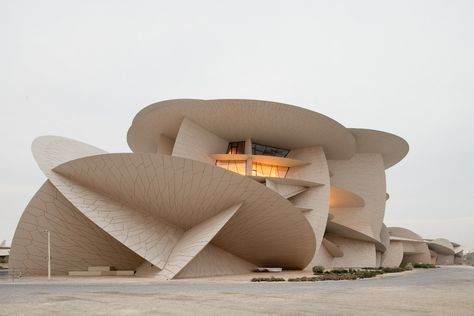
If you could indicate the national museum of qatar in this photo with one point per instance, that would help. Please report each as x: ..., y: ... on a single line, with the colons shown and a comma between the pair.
x: 218, y: 187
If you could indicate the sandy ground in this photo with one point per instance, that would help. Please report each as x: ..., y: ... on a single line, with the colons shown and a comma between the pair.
x: 444, y: 291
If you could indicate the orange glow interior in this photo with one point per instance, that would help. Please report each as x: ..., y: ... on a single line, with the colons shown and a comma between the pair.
x: 258, y: 169
x: 263, y: 170
x: 237, y: 166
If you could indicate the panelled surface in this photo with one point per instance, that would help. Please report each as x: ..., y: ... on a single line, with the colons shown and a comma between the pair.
x: 184, y: 193
x: 393, y: 256
x: 316, y: 199
x: 213, y: 261
x: 168, y: 209
x: 265, y: 122
x: 357, y: 253
x: 194, y: 240
x: 76, y: 242
x: 196, y: 143
x: 364, y: 175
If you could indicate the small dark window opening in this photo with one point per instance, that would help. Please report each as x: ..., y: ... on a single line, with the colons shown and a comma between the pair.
x: 236, y: 148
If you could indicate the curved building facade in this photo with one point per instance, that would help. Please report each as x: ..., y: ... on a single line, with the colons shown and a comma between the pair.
x: 405, y: 247
x: 445, y: 252
x: 212, y: 187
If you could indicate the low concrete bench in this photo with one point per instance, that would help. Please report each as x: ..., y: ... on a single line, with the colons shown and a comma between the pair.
x: 102, y: 271
x: 268, y: 269
x: 99, y: 268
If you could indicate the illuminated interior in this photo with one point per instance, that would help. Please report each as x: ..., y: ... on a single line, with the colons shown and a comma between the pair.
x: 263, y: 170
x: 258, y: 168
x: 237, y: 166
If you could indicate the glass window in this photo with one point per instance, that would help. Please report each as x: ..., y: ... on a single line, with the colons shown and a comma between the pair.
x: 237, y: 166
x: 236, y: 148
x: 259, y: 149
x: 263, y: 170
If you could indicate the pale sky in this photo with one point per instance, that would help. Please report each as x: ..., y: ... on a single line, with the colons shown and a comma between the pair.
x: 83, y: 69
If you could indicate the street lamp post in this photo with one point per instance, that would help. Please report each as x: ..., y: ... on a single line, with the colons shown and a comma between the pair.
x: 49, y: 253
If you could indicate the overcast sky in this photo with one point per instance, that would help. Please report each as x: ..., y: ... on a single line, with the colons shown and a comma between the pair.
x: 83, y: 69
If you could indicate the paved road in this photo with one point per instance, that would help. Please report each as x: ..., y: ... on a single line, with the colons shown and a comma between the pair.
x: 444, y: 291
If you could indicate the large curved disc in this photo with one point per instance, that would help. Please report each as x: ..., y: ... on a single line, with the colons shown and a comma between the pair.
x: 392, y: 147
x: 183, y: 193
x: 263, y: 121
